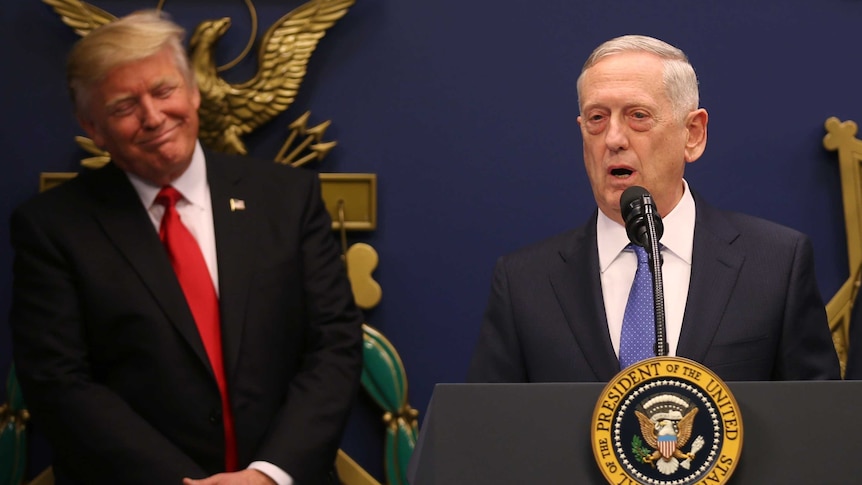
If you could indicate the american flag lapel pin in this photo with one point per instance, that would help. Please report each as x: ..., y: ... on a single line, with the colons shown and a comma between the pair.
x: 237, y: 205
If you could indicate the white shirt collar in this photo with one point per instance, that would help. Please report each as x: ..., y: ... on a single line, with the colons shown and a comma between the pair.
x: 192, y: 183
x: 678, y: 235
x: 679, y: 227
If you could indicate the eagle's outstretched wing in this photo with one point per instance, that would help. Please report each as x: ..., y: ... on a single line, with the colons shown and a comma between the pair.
x: 647, y: 429
x: 685, y: 426
x: 229, y: 111
x: 79, y: 15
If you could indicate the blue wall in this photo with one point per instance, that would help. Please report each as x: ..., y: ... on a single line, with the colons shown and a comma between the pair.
x: 466, y: 112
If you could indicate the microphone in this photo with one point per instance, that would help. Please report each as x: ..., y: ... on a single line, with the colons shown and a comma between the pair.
x: 638, y: 209
x: 644, y: 228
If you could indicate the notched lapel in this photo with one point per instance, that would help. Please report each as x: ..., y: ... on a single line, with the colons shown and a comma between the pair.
x: 579, y: 292
x: 716, y: 264
x: 233, y: 217
x: 127, y: 224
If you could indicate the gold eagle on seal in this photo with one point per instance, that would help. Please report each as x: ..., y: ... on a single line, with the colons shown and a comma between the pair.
x: 667, y: 437
x: 230, y: 110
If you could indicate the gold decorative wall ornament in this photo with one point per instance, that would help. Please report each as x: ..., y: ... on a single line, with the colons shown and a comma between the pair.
x: 351, y: 200
x: 229, y: 111
x: 383, y: 375
x: 81, y: 16
x: 841, y: 137
x: 313, y: 142
x: 13, y: 437
x: 361, y: 260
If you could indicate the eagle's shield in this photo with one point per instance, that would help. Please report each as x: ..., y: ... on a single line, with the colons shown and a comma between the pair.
x: 666, y: 446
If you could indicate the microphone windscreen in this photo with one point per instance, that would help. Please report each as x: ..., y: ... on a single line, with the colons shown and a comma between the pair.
x: 630, y: 195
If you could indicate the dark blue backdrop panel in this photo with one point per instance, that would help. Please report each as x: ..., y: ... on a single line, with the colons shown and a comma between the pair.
x: 466, y: 112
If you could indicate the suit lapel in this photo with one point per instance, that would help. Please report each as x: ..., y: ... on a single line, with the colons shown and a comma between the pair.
x: 715, y: 267
x: 127, y: 224
x: 579, y: 293
x: 233, y: 228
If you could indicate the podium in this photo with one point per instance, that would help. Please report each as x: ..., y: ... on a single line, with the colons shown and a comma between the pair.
x: 797, y: 433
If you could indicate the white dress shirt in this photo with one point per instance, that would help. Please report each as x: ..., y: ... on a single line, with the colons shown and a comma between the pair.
x: 195, y: 210
x: 618, y: 268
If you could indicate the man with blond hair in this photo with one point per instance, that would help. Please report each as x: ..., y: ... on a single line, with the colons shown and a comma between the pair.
x: 178, y: 316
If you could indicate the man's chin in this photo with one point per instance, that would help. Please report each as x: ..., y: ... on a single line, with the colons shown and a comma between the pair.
x: 170, y: 154
x: 162, y: 170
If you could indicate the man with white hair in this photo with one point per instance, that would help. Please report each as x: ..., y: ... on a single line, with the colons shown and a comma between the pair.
x: 740, y: 292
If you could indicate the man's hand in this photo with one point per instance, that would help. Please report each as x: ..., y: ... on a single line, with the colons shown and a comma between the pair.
x: 244, y: 477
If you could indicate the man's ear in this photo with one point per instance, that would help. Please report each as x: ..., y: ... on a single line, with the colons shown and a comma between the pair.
x: 695, y: 125
x: 91, y: 130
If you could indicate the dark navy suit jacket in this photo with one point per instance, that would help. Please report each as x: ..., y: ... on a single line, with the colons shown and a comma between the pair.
x: 753, y: 311
x: 854, y: 350
x: 109, y: 358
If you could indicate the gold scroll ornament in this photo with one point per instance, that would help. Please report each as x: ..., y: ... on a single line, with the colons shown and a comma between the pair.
x: 841, y: 137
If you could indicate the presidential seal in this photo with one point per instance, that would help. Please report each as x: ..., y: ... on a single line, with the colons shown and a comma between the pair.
x: 666, y: 421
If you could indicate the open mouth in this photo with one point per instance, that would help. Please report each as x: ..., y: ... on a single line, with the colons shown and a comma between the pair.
x: 621, y: 172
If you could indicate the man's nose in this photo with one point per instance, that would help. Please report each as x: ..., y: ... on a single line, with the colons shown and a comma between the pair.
x: 151, y: 115
x: 617, y: 137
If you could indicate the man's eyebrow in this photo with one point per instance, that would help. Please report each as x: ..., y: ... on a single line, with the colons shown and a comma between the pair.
x: 159, y: 84
x: 591, y: 106
x: 167, y: 81
x: 627, y: 106
x: 162, y: 83
x: 119, y: 99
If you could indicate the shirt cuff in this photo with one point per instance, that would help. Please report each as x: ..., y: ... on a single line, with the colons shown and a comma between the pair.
x: 277, y: 475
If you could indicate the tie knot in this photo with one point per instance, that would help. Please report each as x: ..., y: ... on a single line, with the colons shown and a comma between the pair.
x: 640, y: 252
x: 168, y: 196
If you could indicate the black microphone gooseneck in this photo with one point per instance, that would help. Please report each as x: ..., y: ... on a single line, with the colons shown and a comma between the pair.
x: 644, y: 228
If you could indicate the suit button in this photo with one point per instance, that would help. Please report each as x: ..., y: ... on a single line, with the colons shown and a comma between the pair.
x: 215, y: 416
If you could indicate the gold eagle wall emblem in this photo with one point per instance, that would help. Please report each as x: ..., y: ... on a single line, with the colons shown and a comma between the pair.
x: 230, y: 110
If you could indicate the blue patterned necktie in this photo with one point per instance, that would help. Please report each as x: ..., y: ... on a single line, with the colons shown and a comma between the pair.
x: 637, y: 341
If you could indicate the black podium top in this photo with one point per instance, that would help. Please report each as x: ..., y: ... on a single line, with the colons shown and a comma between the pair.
x: 794, y: 433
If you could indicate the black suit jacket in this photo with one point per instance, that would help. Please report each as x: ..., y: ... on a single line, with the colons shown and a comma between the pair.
x: 108, y: 354
x: 753, y: 310
x: 853, y: 370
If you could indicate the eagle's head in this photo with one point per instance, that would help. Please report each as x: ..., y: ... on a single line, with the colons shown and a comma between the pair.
x: 207, y: 34
x: 665, y: 428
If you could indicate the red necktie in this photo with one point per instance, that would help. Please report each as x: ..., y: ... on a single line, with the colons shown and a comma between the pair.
x: 194, y: 277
